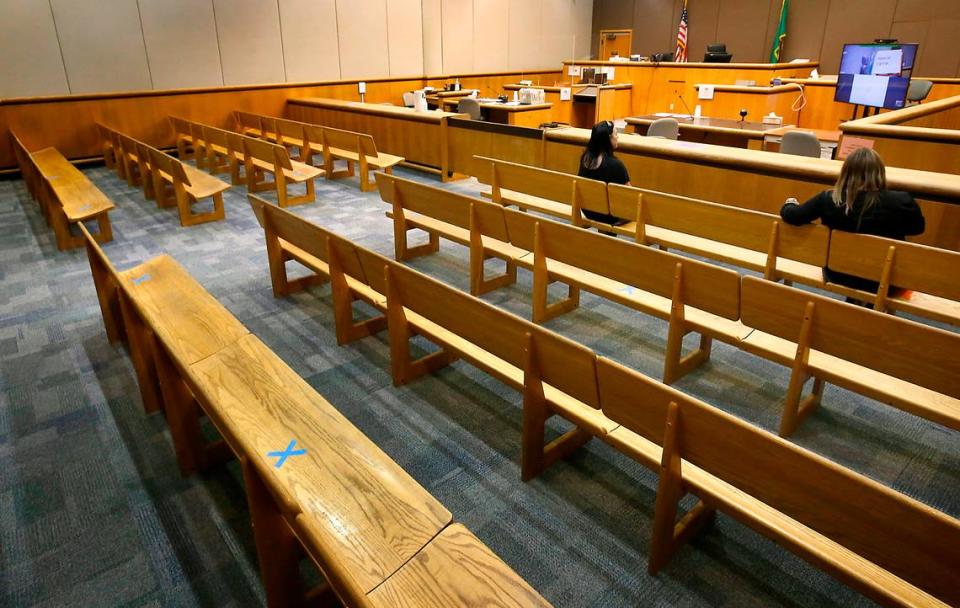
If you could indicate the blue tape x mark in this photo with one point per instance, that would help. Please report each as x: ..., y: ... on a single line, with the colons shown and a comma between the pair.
x: 284, y: 454
x: 140, y: 279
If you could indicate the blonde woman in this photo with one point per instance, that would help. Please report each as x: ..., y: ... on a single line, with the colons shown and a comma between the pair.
x: 860, y: 202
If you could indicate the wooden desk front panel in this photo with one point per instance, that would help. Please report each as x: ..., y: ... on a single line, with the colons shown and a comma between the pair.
x: 465, y: 143
x: 416, y: 141
x: 742, y: 188
x: 727, y: 104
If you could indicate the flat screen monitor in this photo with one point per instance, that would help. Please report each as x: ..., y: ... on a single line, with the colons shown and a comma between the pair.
x: 875, y: 75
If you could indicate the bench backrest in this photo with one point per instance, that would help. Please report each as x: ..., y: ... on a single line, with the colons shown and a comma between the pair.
x: 704, y: 286
x: 563, y: 364
x: 267, y: 152
x: 911, y: 540
x: 169, y: 165
x: 360, y: 143
x: 181, y: 126
x: 917, y: 353
x: 547, y: 184
x: 444, y: 205
x: 247, y: 120
x: 918, y: 267
x: 724, y: 223
x: 288, y: 128
x: 312, y: 134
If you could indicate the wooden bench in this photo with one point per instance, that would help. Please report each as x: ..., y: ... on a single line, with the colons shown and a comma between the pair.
x: 691, y: 295
x: 912, y: 367
x: 330, y: 259
x: 930, y: 274
x: 248, y: 123
x: 552, y: 193
x: 166, y: 318
x: 750, y: 239
x: 66, y: 196
x: 888, y: 546
x: 397, y: 533
x: 262, y: 157
x: 190, y: 185
x: 153, y: 169
x: 464, y: 220
x: 355, y: 148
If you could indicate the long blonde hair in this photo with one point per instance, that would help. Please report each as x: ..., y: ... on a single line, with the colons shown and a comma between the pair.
x: 863, y: 173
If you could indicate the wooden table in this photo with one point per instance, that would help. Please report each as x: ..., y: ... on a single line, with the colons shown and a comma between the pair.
x: 511, y: 113
x: 717, y: 131
x: 829, y: 139
x: 419, y: 137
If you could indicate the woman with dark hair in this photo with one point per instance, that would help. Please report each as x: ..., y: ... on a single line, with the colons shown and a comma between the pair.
x: 860, y: 202
x: 599, y: 163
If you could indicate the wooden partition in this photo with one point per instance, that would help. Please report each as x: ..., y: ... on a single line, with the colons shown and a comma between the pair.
x: 759, y: 101
x: 753, y: 179
x: 925, y: 136
x: 657, y: 86
x: 68, y: 122
x: 822, y: 112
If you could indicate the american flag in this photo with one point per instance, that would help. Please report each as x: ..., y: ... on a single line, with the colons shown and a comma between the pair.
x: 681, y: 52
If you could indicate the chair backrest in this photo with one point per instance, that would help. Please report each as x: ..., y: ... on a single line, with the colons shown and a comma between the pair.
x: 470, y: 107
x: 800, y: 143
x: 705, y: 286
x: 918, y: 89
x: 910, y: 539
x: 312, y: 134
x: 918, y: 267
x: 289, y: 128
x: 444, y: 205
x: 268, y: 124
x: 717, y: 47
x: 724, y: 223
x: 105, y: 132
x: 181, y: 126
x: 562, y: 363
x: 408, y: 99
x: 169, y: 165
x: 667, y: 128
x: 267, y: 152
x: 544, y: 183
x: 127, y: 144
x: 917, y: 353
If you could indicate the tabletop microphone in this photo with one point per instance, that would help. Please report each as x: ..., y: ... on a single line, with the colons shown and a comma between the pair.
x: 685, y: 106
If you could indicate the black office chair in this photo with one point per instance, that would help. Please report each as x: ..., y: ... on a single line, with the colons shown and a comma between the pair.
x: 660, y: 57
x: 717, y: 53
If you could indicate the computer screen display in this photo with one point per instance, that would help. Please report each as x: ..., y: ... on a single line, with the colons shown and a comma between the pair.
x: 875, y: 75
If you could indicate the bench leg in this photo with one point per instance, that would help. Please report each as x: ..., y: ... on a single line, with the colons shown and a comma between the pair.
x: 140, y: 341
x: 188, y: 218
x: 349, y: 330
x: 676, y: 365
x: 542, y: 311
x: 183, y: 415
x: 479, y: 284
x: 795, y: 407
x: 278, y: 550
x: 289, y: 201
x: 108, y: 296
x: 668, y: 533
x: 402, y: 367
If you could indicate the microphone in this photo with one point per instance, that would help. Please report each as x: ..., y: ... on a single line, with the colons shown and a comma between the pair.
x: 685, y: 106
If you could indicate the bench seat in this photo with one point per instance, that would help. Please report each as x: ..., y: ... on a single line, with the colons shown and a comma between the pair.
x: 360, y: 289
x: 461, y: 236
x: 301, y: 172
x: 264, y: 404
x: 436, y: 577
x: 380, y: 161
x: 531, y: 202
x: 906, y: 396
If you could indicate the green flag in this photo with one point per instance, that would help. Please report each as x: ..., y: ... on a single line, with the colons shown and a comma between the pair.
x: 781, y: 34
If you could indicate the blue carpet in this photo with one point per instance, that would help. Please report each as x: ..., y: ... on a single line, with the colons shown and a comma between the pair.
x: 93, y: 511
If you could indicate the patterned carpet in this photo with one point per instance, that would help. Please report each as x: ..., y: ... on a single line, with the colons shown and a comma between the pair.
x: 93, y: 511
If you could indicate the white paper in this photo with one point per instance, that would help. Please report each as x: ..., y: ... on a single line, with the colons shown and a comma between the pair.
x: 705, y: 91
x: 573, y: 70
x: 362, y: 86
x: 564, y: 93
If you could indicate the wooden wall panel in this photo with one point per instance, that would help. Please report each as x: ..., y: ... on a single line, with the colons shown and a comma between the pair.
x: 853, y: 21
x: 249, y: 36
x: 102, y: 45
x: 742, y: 25
x: 941, y: 54
x: 457, y: 22
x: 491, y: 34
x: 181, y: 41
x: 614, y: 14
x: 432, y: 37
x: 524, y: 32
x: 30, y: 62
x: 362, y: 28
x: 311, y: 51
x: 405, y: 37
x: 562, y: 29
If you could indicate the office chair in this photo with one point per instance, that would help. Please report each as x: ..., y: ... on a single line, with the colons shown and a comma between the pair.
x: 661, y: 57
x: 408, y: 99
x: 666, y: 128
x: 717, y: 53
x: 470, y: 106
x: 918, y: 91
x: 800, y: 143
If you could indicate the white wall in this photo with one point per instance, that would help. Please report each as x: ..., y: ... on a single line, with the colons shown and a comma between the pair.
x: 54, y: 47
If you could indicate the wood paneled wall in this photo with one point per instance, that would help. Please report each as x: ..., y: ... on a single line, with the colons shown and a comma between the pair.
x: 61, y: 47
x: 816, y: 29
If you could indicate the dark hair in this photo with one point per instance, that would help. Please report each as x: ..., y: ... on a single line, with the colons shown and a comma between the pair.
x: 598, y: 145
